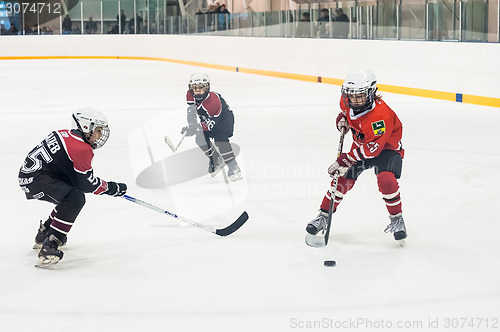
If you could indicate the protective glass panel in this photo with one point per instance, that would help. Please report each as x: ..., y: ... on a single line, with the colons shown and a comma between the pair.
x: 110, y: 12
x: 475, y: 20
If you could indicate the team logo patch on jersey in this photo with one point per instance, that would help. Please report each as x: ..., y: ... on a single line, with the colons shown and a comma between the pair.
x: 378, y: 127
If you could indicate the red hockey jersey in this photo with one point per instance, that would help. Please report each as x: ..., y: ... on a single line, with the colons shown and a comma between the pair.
x: 373, y: 130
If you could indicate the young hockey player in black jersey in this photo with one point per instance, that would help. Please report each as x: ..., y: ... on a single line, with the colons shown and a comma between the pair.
x: 59, y: 171
x: 217, y: 123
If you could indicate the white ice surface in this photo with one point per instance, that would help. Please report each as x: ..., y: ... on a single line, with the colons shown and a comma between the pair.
x: 128, y: 268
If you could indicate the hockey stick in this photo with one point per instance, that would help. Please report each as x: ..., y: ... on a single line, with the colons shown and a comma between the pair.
x: 171, y: 145
x: 221, y: 232
x: 322, y: 241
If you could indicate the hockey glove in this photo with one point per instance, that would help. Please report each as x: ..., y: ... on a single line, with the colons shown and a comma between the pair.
x: 342, y: 122
x: 116, y: 189
x: 189, y: 130
x: 341, y: 165
x: 192, y: 114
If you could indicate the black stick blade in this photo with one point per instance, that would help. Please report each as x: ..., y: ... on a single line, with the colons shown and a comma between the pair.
x: 234, y: 226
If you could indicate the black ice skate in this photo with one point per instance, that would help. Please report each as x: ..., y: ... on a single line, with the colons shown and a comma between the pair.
x: 215, y: 164
x: 397, y: 227
x: 234, y: 172
x: 49, y: 254
x: 317, y: 224
x: 42, y: 234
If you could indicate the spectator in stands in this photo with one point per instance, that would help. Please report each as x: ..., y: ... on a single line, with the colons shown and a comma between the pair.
x: 304, y: 26
x: 222, y: 17
x: 67, y: 25
x: 122, y: 20
x: 13, y: 30
x: 210, y: 17
x: 113, y: 29
x: 77, y: 30
x: 154, y: 28
x: 341, y: 24
x: 217, y: 7
x: 91, y: 26
x: 323, y: 23
x: 27, y: 30
x: 131, y: 24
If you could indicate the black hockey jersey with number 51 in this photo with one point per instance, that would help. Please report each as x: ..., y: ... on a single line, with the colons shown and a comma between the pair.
x: 212, y: 111
x: 64, y: 156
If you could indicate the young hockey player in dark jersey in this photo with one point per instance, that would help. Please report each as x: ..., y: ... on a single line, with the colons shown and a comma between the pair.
x: 217, y: 123
x: 59, y: 171
x: 377, y: 133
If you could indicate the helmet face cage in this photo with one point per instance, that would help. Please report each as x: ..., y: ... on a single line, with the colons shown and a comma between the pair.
x: 87, y: 121
x: 103, y: 139
x: 199, y: 81
x: 359, y: 82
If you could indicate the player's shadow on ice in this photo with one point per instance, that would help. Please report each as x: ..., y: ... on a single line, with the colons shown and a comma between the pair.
x: 178, y: 168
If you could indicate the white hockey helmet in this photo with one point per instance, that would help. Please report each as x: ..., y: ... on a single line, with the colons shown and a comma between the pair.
x: 360, y: 81
x: 86, y: 120
x: 195, y: 81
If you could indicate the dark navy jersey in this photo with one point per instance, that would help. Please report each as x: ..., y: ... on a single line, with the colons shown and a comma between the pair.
x: 212, y: 110
x: 66, y: 157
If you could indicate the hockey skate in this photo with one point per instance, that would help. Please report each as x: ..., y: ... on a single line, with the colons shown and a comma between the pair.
x: 215, y: 164
x: 317, y: 224
x: 41, y: 235
x: 49, y: 254
x: 234, y: 172
x: 397, y: 227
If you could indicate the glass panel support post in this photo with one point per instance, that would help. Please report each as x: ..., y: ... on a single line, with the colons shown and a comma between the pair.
x: 149, y: 18
x: 119, y: 18
x: 461, y: 21
x: 398, y: 21
x: 102, y: 20
x: 427, y: 30
x: 498, y: 21
x: 81, y: 18
x: 135, y: 17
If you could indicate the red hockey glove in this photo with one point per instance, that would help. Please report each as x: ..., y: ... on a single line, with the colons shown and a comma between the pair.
x: 341, y: 165
x: 342, y: 122
x: 346, y: 160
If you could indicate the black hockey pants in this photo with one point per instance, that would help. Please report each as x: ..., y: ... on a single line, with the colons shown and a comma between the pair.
x: 69, y: 202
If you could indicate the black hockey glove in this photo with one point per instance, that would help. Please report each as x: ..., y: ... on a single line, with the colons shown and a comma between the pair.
x: 190, y: 130
x: 116, y: 189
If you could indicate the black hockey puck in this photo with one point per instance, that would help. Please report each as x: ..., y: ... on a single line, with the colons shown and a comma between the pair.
x: 330, y: 263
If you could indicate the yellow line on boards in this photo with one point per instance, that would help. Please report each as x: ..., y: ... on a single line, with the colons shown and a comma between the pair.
x: 418, y: 92
x: 450, y: 96
x: 478, y: 100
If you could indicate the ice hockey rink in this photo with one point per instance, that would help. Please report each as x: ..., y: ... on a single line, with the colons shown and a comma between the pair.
x: 128, y: 268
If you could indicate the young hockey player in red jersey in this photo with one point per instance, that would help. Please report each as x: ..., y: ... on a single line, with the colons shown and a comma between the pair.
x: 59, y: 171
x: 377, y: 133
x: 217, y: 123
